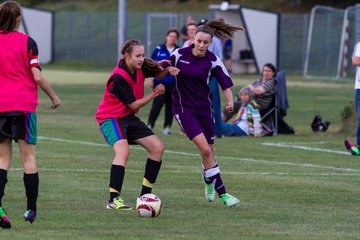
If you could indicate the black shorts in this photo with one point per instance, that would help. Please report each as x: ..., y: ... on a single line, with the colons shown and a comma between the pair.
x: 129, y: 127
x: 18, y: 125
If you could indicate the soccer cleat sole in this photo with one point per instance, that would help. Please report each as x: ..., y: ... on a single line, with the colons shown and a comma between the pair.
x: 30, y: 220
x: 121, y: 209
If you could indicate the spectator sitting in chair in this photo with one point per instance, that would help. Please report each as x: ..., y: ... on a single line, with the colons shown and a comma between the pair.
x: 247, y: 121
x: 263, y: 88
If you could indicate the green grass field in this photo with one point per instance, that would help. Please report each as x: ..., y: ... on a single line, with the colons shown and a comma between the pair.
x: 306, y: 187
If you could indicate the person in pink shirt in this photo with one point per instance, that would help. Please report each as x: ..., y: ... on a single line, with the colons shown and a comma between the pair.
x: 20, y: 77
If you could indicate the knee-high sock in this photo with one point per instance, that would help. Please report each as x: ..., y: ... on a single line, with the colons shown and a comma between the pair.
x: 212, y: 175
x: 117, y: 174
x: 31, y: 183
x: 152, y: 169
x: 3, y: 181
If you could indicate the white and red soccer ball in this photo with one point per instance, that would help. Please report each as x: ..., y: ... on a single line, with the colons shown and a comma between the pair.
x: 148, y: 205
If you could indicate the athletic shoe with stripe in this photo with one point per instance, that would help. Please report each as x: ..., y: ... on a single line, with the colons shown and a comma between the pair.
x: 229, y: 200
x: 117, y: 203
x: 30, y: 215
x: 351, y: 147
x: 209, y: 191
x: 4, y: 220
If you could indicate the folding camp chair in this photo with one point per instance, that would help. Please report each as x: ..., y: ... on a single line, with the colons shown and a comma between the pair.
x: 270, y: 117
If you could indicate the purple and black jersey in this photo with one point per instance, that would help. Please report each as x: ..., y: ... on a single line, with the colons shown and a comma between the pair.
x: 192, y: 91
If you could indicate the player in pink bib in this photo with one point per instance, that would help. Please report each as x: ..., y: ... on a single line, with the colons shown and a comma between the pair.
x: 20, y: 76
x: 123, y: 97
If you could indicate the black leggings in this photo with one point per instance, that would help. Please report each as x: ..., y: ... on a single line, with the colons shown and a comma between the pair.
x: 158, y: 102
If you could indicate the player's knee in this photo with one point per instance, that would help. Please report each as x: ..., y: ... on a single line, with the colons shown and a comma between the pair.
x: 29, y: 164
x: 121, y: 157
x: 206, y: 153
x: 158, y: 148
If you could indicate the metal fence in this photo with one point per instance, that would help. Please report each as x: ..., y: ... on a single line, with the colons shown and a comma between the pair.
x: 92, y: 37
x: 293, y: 36
x: 86, y: 37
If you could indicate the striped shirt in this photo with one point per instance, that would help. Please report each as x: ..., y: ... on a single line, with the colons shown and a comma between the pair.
x: 264, y: 100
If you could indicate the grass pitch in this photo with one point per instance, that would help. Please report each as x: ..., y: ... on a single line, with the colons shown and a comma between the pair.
x: 305, y: 187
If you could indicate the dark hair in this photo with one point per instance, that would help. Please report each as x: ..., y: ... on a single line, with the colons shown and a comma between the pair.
x: 9, y: 13
x: 192, y: 23
x: 173, y: 30
x: 218, y: 28
x: 272, y: 67
x: 128, y: 47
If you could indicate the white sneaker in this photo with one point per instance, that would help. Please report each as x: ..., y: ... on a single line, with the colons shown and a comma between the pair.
x: 166, y: 131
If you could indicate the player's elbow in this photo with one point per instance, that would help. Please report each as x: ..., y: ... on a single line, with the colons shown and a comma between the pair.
x: 37, y: 79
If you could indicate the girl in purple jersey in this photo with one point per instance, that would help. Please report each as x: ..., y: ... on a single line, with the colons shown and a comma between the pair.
x: 192, y: 104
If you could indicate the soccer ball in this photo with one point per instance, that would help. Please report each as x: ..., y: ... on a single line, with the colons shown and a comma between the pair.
x: 148, y: 205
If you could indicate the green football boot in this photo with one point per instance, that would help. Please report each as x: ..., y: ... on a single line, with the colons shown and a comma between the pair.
x: 117, y: 203
x: 229, y: 200
x: 209, y: 191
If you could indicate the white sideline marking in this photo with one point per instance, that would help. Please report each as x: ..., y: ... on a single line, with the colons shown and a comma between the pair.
x: 286, y: 145
x: 198, y: 171
x: 219, y: 157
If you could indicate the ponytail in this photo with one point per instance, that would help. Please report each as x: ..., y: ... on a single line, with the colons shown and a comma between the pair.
x: 150, y: 65
x: 219, y: 28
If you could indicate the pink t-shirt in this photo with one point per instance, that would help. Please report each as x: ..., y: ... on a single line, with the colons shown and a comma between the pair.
x: 18, y: 89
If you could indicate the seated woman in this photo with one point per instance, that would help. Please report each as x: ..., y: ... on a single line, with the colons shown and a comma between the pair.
x: 247, y: 121
x: 263, y: 88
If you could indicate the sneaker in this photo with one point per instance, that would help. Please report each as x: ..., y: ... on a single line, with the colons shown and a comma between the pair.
x: 30, y: 215
x: 117, y: 203
x: 229, y: 200
x: 209, y: 191
x: 4, y: 220
x: 351, y: 147
x: 166, y: 131
x: 218, y: 136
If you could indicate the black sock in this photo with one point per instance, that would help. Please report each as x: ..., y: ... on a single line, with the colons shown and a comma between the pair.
x: 212, y: 175
x: 31, y: 182
x: 152, y: 169
x: 3, y: 181
x: 117, y: 174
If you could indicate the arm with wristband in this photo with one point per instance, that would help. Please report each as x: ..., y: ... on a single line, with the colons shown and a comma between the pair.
x: 158, y: 90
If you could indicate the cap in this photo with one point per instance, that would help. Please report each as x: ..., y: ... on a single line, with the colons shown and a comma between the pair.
x: 202, y: 22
